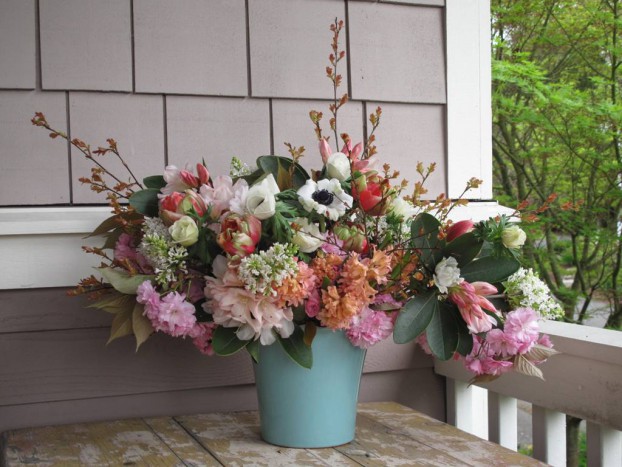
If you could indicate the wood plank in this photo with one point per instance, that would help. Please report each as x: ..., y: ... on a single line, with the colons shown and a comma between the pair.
x: 377, y: 446
x: 186, y: 448
x: 234, y: 439
x: 111, y: 443
x: 460, y: 445
x: 387, y: 434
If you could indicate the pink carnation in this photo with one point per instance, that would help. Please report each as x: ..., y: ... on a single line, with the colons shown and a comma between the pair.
x: 369, y: 327
x: 313, y: 303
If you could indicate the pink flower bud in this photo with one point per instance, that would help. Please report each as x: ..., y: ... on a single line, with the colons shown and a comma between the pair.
x: 193, y: 202
x: 203, y: 174
x: 353, y: 238
x: 459, y: 228
x: 325, y: 150
x: 188, y: 178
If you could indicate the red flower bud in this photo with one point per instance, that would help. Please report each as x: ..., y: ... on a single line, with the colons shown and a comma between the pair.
x: 459, y: 228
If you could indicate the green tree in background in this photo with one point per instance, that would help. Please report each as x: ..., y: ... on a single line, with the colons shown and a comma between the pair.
x: 557, y: 117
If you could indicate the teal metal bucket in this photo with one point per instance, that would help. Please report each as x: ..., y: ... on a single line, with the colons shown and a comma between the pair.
x: 314, y: 408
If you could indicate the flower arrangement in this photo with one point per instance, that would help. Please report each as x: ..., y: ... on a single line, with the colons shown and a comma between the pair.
x: 270, y: 253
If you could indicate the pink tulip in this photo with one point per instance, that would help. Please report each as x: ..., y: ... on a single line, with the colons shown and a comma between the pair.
x: 353, y: 152
x: 458, y: 229
x: 189, y: 178
x: 239, y: 235
x: 325, y: 150
x: 203, y: 174
x: 193, y: 202
x: 373, y: 193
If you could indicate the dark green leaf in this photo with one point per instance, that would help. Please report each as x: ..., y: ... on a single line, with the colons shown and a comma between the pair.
x: 277, y: 164
x: 296, y: 348
x: 154, y: 181
x: 490, y: 269
x: 414, y: 318
x: 253, y: 349
x: 226, y: 342
x: 465, y: 248
x: 443, y: 333
x: 146, y: 202
x: 465, y: 338
x: 424, y: 230
x: 112, y: 238
x: 106, y: 226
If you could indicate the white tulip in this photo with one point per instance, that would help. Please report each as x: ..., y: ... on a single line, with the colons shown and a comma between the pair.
x: 261, y: 200
x: 338, y: 166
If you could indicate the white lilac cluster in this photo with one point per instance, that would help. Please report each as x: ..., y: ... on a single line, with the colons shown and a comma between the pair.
x: 165, y: 256
x: 261, y: 272
x: 239, y: 168
x: 525, y: 289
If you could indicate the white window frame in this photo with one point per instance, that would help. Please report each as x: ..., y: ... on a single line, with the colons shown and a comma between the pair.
x: 39, y: 246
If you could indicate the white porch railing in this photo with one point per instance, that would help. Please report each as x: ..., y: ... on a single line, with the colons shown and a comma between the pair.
x: 585, y: 381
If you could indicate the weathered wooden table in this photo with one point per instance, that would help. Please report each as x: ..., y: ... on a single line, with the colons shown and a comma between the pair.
x: 387, y: 434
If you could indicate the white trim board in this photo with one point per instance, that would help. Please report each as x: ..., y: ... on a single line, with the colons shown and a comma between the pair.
x: 41, y: 247
x: 469, y: 112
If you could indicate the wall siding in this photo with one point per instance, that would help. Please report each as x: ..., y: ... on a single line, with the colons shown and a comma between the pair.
x: 175, y: 84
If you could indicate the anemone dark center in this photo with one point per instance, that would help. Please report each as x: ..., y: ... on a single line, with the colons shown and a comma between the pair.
x: 324, y: 197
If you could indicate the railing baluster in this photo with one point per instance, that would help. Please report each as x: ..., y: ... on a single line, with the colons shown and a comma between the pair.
x: 604, y: 446
x: 549, y: 436
x: 502, y: 420
x: 459, y: 404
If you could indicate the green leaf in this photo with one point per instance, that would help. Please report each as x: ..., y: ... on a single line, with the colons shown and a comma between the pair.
x: 253, y: 349
x: 489, y: 269
x: 225, y: 341
x: 146, y: 201
x: 115, y: 302
x: 121, y: 325
x: 296, y: 348
x: 415, y: 317
x: 465, y: 338
x: 154, y: 181
x: 465, y: 248
x: 122, y: 281
x: 443, y: 333
x: 106, y: 226
x: 424, y: 232
x: 310, y: 331
x: 277, y: 164
x: 141, y: 325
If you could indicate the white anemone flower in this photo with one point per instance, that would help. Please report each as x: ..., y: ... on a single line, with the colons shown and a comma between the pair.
x: 325, y: 197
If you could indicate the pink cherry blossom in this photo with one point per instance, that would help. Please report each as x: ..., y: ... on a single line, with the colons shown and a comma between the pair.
x: 521, y: 325
x: 369, y: 327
